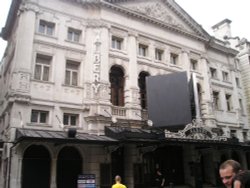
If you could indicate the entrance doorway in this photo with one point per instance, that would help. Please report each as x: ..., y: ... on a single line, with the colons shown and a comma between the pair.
x: 69, y: 166
x: 169, y: 160
x: 36, y: 167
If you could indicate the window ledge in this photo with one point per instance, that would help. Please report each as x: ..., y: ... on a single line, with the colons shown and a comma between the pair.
x: 72, y: 86
x: 228, y: 82
x: 45, y: 35
x: 175, y: 66
x: 144, y: 58
x: 74, y: 42
x: 39, y: 124
x: 159, y: 61
x: 195, y: 71
x: 215, y: 78
x: 219, y: 110
x: 41, y: 81
x: 231, y: 112
x: 118, y: 51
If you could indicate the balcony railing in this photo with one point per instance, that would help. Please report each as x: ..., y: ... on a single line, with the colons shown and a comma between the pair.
x: 118, y: 111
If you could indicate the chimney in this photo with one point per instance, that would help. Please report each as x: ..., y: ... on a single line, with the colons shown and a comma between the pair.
x: 222, y: 30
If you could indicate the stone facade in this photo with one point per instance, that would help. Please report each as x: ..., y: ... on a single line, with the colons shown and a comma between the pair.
x: 55, y: 75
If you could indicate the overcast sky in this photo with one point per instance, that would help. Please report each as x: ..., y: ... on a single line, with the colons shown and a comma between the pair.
x: 206, y: 12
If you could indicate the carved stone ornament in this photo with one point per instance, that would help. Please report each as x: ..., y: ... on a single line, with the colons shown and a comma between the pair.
x: 158, y: 12
x: 23, y: 82
x: 195, y: 130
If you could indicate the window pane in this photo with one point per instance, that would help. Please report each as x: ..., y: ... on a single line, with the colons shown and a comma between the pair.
x: 34, y: 116
x: 45, y: 73
x: 74, y: 78
x: 67, y: 77
x: 43, y: 117
x: 73, y: 120
x: 70, y: 35
x: 41, y: 27
x: 76, y: 37
x: 113, y: 43
x: 50, y: 29
x: 173, y: 59
x: 65, y: 119
x: 38, y: 72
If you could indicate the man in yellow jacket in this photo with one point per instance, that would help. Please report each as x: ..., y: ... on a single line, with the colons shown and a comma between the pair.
x: 118, y: 183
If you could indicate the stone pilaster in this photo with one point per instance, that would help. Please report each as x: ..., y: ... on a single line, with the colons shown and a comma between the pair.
x: 132, y: 89
x: 207, y: 98
x: 24, y: 44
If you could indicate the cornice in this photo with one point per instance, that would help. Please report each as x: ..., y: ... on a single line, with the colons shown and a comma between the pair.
x: 187, y: 18
x: 219, y: 47
x: 137, y: 15
x: 37, y: 41
x: 181, y: 13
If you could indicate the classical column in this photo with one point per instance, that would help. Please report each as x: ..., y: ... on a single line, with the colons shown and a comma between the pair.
x: 53, y: 172
x: 132, y: 89
x: 207, y: 98
x: 184, y: 61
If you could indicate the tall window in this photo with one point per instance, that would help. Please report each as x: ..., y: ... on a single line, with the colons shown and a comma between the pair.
x: 74, y: 35
x: 241, y: 106
x: 228, y: 102
x: 142, y: 86
x: 237, y: 80
x: 216, y: 100
x: 71, y: 73
x: 193, y: 64
x: 116, y: 78
x: 47, y: 28
x: 42, y: 67
x: 158, y: 54
x: 70, y: 119
x: 143, y: 50
x: 117, y: 43
x: 225, y: 76
x: 213, y: 72
x: 39, y: 116
x: 173, y: 59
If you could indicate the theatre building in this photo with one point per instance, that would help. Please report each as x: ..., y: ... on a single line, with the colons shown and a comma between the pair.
x: 95, y: 88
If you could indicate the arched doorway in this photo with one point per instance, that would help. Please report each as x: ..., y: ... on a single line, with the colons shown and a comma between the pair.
x: 116, y: 78
x: 69, y: 166
x: 36, y: 167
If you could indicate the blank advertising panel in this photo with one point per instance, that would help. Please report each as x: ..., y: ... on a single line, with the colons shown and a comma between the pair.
x: 169, y: 100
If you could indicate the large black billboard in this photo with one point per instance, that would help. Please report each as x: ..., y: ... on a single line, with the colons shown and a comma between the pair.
x: 169, y: 100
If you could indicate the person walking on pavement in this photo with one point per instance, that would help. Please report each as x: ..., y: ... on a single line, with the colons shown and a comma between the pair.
x: 159, y: 179
x: 233, y: 176
x: 118, y: 183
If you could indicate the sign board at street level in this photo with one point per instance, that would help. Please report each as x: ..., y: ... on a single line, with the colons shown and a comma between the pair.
x: 86, y: 181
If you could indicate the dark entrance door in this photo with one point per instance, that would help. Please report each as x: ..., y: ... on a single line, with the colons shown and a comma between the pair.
x: 117, y: 163
x: 69, y: 166
x: 36, y: 168
x: 170, y: 161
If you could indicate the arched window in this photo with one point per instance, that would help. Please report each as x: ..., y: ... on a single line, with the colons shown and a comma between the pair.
x: 36, y: 167
x: 142, y: 86
x: 116, y: 78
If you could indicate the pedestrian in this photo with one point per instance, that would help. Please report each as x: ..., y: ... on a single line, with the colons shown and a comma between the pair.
x: 159, y: 179
x: 118, y: 183
x: 233, y: 176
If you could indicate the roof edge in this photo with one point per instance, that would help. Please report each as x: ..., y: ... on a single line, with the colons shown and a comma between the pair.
x: 7, y: 29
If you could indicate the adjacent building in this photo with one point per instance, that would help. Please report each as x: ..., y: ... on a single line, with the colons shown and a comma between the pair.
x: 73, y: 98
